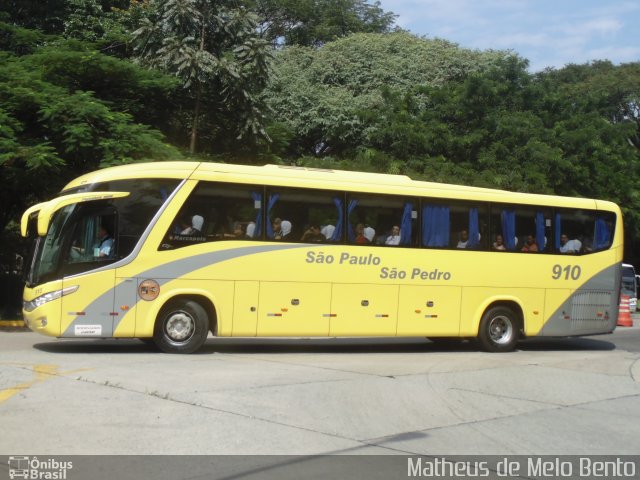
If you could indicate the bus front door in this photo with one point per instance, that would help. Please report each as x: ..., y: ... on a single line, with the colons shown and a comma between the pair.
x: 89, y: 310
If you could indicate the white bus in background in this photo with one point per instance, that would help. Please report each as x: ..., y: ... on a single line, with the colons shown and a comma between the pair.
x: 629, y: 285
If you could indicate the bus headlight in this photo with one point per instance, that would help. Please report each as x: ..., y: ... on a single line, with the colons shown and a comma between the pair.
x: 48, y: 297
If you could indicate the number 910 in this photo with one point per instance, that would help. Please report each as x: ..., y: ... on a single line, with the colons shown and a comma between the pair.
x: 569, y: 272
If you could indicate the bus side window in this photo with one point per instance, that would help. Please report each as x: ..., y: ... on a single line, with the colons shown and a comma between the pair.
x: 304, y: 216
x: 382, y: 220
x: 521, y: 228
x: 467, y: 223
x: 216, y: 212
x: 581, y: 231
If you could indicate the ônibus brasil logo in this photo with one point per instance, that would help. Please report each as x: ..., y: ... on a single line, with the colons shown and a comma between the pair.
x: 32, y: 468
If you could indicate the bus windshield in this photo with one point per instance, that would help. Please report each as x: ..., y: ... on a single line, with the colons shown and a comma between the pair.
x: 47, y: 249
x: 79, y: 239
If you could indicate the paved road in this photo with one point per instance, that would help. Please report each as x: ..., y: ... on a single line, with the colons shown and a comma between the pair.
x: 346, y: 396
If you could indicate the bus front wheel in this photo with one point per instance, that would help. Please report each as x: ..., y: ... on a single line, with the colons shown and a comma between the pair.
x: 181, y: 327
x: 499, y: 329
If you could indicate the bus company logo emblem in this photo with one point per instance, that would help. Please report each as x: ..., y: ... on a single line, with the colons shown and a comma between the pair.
x: 149, y: 290
x: 33, y: 468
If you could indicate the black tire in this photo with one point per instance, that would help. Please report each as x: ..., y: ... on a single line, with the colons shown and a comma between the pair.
x: 499, y: 329
x: 182, y: 326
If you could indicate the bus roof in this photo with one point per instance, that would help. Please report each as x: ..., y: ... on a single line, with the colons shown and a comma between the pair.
x: 325, y: 179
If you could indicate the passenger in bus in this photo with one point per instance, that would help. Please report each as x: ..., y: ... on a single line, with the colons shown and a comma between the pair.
x: 286, y: 229
x: 196, y: 226
x: 238, y: 232
x: 281, y: 228
x: 251, y: 229
x: 499, y: 243
x: 394, y: 237
x: 569, y: 246
x: 327, y: 231
x: 530, y: 245
x: 277, y: 228
x: 463, y: 239
x: 369, y: 233
x: 106, y: 242
x: 313, y: 235
x: 360, y: 237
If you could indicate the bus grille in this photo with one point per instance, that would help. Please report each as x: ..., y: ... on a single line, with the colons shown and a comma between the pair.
x: 590, y: 309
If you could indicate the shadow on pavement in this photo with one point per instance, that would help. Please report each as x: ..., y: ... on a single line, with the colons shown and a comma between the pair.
x: 565, y: 344
x: 95, y: 346
x: 288, y: 346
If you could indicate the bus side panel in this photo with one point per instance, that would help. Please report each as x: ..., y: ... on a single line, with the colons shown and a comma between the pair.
x: 293, y: 309
x: 429, y: 311
x: 364, y: 309
x: 218, y: 292
x: 476, y: 300
x: 553, y: 314
x: 245, y: 309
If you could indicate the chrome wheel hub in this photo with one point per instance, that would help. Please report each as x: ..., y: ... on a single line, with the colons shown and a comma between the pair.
x: 500, y: 330
x: 179, y: 326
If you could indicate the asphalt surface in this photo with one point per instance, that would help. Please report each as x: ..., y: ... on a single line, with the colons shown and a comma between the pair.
x: 312, y: 397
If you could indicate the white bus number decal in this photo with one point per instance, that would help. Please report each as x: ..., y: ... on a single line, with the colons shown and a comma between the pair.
x: 570, y: 271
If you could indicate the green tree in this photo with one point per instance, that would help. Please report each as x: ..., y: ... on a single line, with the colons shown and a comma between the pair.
x: 316, y: 22
x: 216, y: 53
x: 52, y: 128
x: 51, y: 16
x: 331, y: 97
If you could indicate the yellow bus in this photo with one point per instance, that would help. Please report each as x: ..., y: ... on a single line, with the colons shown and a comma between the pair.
x: 172, y: 251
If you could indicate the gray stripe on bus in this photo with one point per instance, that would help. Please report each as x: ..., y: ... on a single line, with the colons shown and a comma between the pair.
x: 97, y: 311
x: 556, y: 325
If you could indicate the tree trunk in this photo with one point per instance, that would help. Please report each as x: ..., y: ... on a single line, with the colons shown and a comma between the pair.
x: 196, y: 110
x: 196, y: 115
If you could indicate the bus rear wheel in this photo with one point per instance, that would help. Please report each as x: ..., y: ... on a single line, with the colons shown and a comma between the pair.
x: 182, y: 326
x: 499, y: 329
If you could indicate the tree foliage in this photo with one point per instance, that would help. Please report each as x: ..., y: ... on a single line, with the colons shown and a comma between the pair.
x: 327, y: 96
x: 317, y: 22
x: 215, y: 51
x: 54, y: 127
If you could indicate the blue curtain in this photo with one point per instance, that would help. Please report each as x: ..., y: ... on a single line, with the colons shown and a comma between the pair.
x: 474, y: 229
x: 405, y: 226
x: 337, y: 233
x: 557, y: 231
x: 602, y: 235
x: 273, y: 198
x: 435, y: 226
x: 540, y: 236
x: 257, y: 197
x: 509, y: 229
x: 351, y: 234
